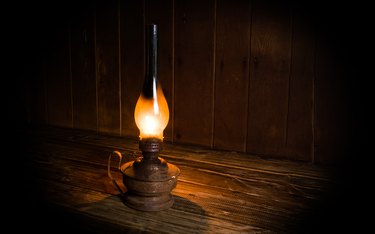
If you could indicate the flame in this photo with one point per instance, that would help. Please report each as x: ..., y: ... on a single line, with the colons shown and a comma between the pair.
x: 152, y: 114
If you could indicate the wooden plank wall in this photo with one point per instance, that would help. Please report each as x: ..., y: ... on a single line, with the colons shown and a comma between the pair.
x: 269, y: 77
x: 161, y: 12
x: 194, y: 71
x: 232, y: 74
x: 82, y: 41
x: 131, y: 17
x: 244, y: 75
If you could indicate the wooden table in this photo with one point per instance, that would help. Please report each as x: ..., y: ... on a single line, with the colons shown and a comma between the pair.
x: 66, y: 186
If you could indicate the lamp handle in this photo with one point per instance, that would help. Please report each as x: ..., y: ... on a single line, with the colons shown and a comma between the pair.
x: 119, y: 167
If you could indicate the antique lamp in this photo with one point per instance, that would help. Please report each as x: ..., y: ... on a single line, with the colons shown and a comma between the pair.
x: 149, y: 179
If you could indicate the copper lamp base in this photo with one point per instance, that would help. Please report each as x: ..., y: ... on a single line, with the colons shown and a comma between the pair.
x: 149, y: 179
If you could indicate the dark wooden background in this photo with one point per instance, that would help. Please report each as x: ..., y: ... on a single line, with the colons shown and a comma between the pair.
x: 263, y: 77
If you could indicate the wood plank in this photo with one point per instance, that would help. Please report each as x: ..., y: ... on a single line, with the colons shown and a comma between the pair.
x: 213, y: 197
x: 102, y: 145
x: 82, y: 26
x: 300, y: 112
x: 277, y: 186
x: 195, y: 154
x: 96, y: 180
x: 161, y: 13
x: 269, y: 78
x: 232, y: 74
x: 57, y: 74
x: 281, y: 183
x: 132, y: 62
x: 94, y: 205
x: 194, y: 61
x: 107, y: 66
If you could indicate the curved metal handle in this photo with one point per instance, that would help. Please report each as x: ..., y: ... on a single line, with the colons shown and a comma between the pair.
x: 119, y: 167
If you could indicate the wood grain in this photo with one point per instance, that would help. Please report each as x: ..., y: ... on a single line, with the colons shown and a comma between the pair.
x: 245, y: 194
x: 232, y: 74
x: 161, y: 13
x: 132, y: 52
x: 82, y: 26
x: 269, y: 78
x: 57, y: 76
x: 300, y: 111
x: 107, y: 66
x: 194, y: 61
x: 295, y: 102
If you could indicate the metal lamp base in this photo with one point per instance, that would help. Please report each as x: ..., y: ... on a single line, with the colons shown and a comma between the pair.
x: 152, y: 203
x: 149, y: 179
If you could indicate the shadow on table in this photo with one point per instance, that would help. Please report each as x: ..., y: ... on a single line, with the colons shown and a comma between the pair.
x: 110, y: 215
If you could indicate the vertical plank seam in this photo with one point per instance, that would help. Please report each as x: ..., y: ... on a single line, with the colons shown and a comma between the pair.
x: 45, y: 87
x: 173, y: 68
x: 119, y: 61
x: 71, y: 76
x: 122, y: 66
x: 313, y: 101
x: 96, y: 71
x: 143, y: 43
x: 144, y: 37
x: 213, y: 78
x: 250, y: 34
x: 289, y: 77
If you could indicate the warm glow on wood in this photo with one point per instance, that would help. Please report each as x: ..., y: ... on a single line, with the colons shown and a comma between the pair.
x: 152, y: 114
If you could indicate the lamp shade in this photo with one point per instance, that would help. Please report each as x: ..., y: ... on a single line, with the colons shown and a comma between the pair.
x: 151, y: 113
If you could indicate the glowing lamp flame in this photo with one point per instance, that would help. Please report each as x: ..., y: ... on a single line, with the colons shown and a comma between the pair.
x: 152, y: 114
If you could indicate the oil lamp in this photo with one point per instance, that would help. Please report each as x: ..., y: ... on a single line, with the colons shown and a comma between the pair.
x: 149, y: 179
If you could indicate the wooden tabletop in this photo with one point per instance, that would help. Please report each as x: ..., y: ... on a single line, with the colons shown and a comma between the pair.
x: 217, y: 191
